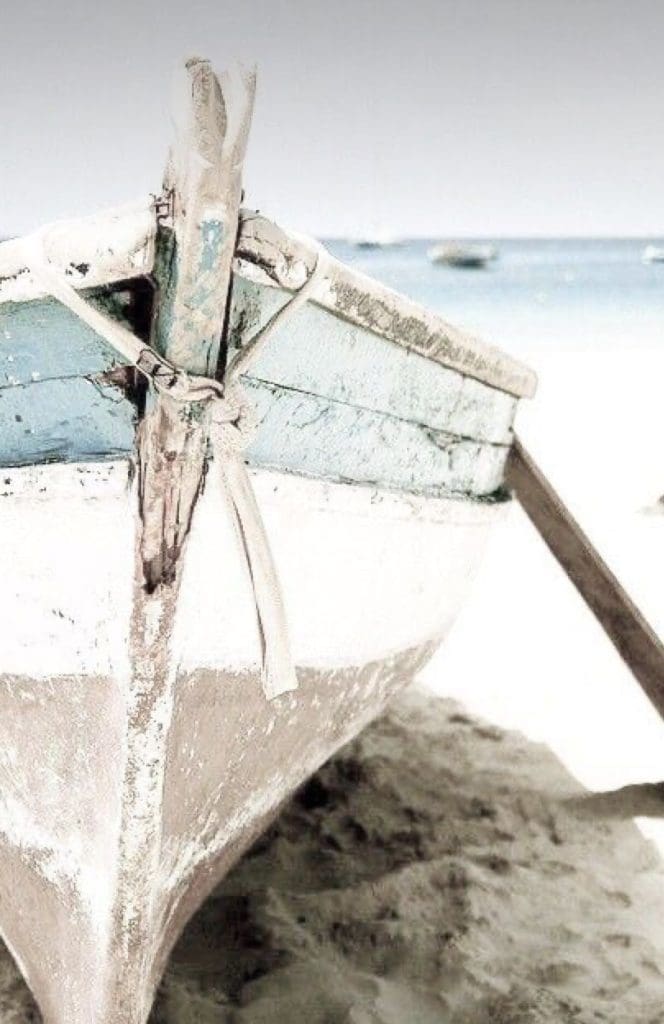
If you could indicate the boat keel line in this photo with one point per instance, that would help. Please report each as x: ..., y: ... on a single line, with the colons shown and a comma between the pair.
x: 193, y: 262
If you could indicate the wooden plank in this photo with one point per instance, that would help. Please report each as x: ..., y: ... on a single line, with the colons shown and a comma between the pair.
x: 43, y: 340
x: 69, y: 420
x: 334, y: 441
x: 319, y: 353
x: 204, y: 178
x: 627, y: 629
x: 80, y: 419
x: 192, y: 272
x: 316, y: 354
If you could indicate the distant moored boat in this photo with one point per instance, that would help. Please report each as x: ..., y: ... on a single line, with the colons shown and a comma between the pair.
x: 653, y: 254
x: 470, y: 256
x: 380, y: 240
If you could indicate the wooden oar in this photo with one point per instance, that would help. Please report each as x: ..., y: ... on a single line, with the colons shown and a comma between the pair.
x: 627, y: 629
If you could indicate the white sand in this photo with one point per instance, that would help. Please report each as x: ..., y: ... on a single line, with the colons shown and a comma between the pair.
x: 437, y: 871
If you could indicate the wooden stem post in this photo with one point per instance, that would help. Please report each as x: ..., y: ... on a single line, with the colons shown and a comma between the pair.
x: 193, y: 274
x: 627, y: 629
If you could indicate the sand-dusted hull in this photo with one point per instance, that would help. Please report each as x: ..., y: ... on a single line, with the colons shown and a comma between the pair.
x: 111, y: 838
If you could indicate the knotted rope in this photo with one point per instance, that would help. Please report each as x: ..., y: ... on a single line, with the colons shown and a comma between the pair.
x: 232, y: 427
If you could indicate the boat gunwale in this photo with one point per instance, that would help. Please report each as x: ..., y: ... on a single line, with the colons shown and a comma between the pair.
x: 268, y: 255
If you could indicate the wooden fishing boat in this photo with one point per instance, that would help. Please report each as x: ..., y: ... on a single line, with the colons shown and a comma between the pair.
x: 151, y: 722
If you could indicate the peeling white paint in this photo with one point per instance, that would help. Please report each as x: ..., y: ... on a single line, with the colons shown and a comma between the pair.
x: 114, y: 245
x: 65, y: 614
x: 398, y: 567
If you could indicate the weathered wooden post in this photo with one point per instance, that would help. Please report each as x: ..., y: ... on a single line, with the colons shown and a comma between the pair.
x: 193, y: 270
x: 193, y: 275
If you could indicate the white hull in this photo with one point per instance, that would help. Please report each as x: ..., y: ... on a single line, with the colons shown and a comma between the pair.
x: 112, y: 849
x: 653, y: 254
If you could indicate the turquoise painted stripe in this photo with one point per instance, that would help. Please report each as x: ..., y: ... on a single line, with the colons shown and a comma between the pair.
x: 43, y: 340
x: 314, y: 437
x: 64, y: 421
x: 319, y: 353
x: 78, y: 420
x: 334, y: 401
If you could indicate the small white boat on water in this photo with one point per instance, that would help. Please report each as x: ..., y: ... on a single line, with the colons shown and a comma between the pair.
x: 653, y: 254
x: 244, y: 491
x: 472, y: 257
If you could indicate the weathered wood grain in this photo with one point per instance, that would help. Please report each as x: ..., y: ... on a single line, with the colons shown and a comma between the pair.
x: 347, y: 406
x: 192, y: 273
x: 332, y: 399
x: 336, y: 441
x: 64, y: 421
x: 194, y: 256
x: 319, y: 353
x: 86, y: 419
x: 111, y: 246
x: 627, y: 629
x: 42, y: 340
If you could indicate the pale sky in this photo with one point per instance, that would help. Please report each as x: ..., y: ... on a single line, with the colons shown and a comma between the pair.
x: 425, y: 117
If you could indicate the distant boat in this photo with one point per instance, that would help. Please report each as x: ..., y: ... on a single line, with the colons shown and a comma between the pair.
x: 469, y: 256
x: 653, y: 254
x: 379, y: 240
x: 369, y: 243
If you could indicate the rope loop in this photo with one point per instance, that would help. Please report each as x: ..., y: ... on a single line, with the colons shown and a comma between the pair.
x: 234, y: 422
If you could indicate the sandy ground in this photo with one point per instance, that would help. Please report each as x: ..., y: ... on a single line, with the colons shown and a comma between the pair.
x: 437, y: 870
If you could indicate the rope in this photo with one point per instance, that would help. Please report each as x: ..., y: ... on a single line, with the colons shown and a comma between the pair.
x: 232, y: 428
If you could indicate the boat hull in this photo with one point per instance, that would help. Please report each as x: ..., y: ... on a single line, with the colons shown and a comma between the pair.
x: 121, y: 808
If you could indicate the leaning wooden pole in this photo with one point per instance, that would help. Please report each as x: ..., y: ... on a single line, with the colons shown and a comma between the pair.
x: 195, y: 245
x: 627, y: 629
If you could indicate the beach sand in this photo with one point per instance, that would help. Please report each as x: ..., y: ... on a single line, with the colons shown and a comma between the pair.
x: 438, y: 870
